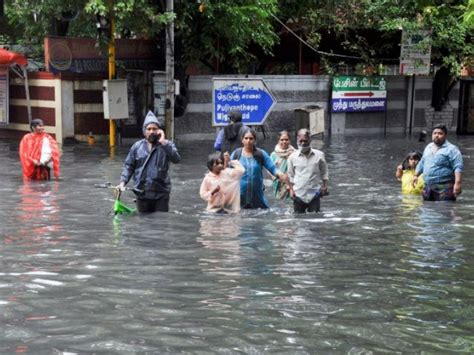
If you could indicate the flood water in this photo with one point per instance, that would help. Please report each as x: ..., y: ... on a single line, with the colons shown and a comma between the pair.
x: 373, y: 272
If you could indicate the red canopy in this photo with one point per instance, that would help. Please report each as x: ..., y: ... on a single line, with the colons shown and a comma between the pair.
x: 9, y: 58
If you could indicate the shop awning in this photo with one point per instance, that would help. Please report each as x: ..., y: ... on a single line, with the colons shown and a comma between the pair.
x: 10, y: 58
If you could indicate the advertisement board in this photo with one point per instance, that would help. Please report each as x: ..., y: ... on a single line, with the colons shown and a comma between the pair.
x: 81, y: 55
x: 415, y: 53
x: 4, y: 119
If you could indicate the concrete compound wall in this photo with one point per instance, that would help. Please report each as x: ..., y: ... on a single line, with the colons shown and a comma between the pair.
x: 71, y: 106
x: 45, y: 100
x: 296, y: 91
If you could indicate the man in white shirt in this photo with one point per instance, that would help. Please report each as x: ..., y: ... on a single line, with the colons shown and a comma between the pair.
x: 306, y: 169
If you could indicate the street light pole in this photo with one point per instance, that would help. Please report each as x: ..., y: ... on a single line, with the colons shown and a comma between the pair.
x: 170, y: 73
x: 112, y: 124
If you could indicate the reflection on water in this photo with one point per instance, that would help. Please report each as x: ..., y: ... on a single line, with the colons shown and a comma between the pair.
x: 224, y: 227
x: 373, y: 272
x: 38, y: 210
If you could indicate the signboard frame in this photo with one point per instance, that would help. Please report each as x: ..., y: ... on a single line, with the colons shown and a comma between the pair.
x: 357, y: 93
x: 81, y: 55
x: 413, y: 59
x: 245, y: 94
x: 4, y: 95
x: 159, y: 93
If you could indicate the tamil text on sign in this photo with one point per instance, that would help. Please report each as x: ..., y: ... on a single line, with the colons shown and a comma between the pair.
x: 358, y: 94
x: 250, y: 96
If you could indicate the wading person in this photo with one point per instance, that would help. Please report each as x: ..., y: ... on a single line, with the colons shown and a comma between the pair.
x: 39, y: 153
x: 406, y: 172
x: 229, y: 136
x: 306, y: 169
x: 254, y: 160
x: 442, y: 166
x: 279, y: 156
x: 221, y: 185
x: 148, y: 163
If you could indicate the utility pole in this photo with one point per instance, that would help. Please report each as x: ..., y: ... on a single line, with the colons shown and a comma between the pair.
x: 169, y: 113
x: 112, y: 124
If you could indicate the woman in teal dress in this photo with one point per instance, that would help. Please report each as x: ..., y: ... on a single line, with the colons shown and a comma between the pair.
x: 254, y: 160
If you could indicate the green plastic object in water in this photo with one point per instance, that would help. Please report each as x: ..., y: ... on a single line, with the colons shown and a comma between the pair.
x: 121, y: 208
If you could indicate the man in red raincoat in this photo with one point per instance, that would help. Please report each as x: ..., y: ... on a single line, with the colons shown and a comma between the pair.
x: 39, y: 153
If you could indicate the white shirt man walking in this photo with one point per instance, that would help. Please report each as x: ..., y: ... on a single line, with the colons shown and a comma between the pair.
x: 306, y: 169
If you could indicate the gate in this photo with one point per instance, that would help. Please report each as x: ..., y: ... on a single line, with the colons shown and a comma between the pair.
x: 466, y: 107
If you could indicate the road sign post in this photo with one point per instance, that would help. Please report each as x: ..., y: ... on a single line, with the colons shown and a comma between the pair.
x: 250, y: 96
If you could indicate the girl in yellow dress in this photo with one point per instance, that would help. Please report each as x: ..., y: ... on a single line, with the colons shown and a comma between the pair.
x: 405, y: 173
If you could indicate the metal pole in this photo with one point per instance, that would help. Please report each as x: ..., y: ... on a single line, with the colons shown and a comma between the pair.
x: 112, y: 124
x: 27, y: 92
x: 300, y: 59
x: 412, y: 105
x: 170, y: 73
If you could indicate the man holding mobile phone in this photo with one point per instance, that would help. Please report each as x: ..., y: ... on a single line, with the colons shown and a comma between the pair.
x: 148, y: 163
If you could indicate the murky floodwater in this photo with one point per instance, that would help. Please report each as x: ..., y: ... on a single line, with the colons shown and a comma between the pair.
x: 373, y: 272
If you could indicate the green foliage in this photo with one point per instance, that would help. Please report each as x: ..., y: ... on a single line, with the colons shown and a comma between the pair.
x: 231, y: 34
x: 35, y: 19
x: 352, y: 22
x: 140, y: 17
x: 221, y: 32
x: 283, y: 69
x: 468, y: 16
x: 217, y: 33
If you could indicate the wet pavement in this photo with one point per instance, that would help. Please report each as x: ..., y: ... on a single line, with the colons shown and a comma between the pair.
x: 373, y: 272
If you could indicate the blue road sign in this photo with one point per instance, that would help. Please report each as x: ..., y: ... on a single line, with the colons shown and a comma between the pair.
x: 250, y: 96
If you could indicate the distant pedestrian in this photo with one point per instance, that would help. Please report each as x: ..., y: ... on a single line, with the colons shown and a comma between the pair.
x: 406, y: 172
x: 148, y: 163
x: 229, y: 137
x: 442, y: 167
x: 279, y: 156
x: 306, y: 169
x: 39, y: 153
x: 221, y: 185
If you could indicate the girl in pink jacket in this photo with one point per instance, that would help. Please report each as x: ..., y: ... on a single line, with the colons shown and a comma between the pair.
x: 221, y: 185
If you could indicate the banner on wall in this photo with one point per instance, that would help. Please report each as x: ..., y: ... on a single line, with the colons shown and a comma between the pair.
x: 4, y: 95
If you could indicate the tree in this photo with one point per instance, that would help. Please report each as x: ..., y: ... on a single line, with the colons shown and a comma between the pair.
x: 371, y: 29
x: 31, y: 21
x: 469, y: 15
x: 216, y: 33
x: 221, y: 33
x: 230, y: 36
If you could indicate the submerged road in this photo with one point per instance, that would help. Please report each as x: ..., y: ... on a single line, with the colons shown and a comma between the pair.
x: 373, y: 272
